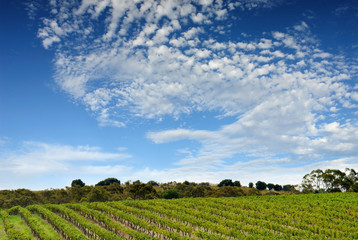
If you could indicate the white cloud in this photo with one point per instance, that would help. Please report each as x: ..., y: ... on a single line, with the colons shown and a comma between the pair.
x: 202, y: 53
x: 34, y: 158
x: 32, y: 9
x: 198, y: 18
x: 192, y: 32
x: 49, y: 41
x: 221, y: 14
x: 322, y: 55
x: 160, y: 59
x: 277, y: 171
x: 265, y: 43
x: 205, y: 2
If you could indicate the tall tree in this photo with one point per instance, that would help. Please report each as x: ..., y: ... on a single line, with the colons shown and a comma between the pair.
x: 261, y: 185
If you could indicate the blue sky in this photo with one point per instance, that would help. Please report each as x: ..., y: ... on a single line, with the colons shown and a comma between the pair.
x: 196, y: 90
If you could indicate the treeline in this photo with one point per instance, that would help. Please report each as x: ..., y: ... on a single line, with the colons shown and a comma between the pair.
x: 111, y: 189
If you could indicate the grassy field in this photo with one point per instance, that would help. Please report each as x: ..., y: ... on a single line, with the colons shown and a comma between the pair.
x: 311, y: 216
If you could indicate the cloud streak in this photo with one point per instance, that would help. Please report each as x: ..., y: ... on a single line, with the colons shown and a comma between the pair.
x: 35, y: 158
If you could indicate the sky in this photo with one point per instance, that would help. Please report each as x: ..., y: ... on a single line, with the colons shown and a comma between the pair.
x: 166, y: 90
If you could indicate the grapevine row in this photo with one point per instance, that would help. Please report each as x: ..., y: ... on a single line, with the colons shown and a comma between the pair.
x: 137, y: 223
x: 306, y: 220
x: 11, y: 231
x: 163, y: 222
x: 34, y: 224
x: 67, y: 230
x: 90, y: 229
x: 209, y: 225
x: 107, y: 222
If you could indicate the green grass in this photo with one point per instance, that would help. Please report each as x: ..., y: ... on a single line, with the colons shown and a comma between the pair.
x: 2, y: 230
x: 20, y: 224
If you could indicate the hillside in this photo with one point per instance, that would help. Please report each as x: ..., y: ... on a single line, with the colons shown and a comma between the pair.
x: 310, y: 216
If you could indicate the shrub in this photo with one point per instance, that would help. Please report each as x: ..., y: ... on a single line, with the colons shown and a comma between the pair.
x: 171, y: 193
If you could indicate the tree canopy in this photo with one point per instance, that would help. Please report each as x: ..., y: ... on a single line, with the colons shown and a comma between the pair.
x: 108, y: 181
x: 261, y: 185
x: 331, y: 180
x: 77, y: 182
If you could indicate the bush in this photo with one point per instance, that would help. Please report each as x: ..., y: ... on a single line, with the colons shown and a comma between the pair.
x: 228, y: 191
x: 171, y: 193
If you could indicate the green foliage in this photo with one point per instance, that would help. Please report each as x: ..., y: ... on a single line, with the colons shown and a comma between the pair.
x: 228, y: 191
x: 13, y: 231
x: 277, y: 187
x: 77, y: 182
x: 270, y: 186
x: 237, y: 184
x: 170, y: 194
x: 36, y: 225
x: 97, y: 194
x: 108, y: 181
x: 153, y: 183
x: 66, y: 229
x: 226, y: 182
x: 261, y: 185
x: 139, y: 190
x: 110, y: 189
x: 330, y: 180
x: 288, y: 187
x: 304, y: 216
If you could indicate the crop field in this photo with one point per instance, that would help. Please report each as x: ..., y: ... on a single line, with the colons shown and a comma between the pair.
x: 311, y: 216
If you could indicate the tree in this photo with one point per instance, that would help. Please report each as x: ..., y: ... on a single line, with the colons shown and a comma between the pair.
x: 237, y: 184
x: 139, y: 190
x: 153, y: 183
x: 108, y: 181
x: 330, y: 180
x: 97, y: 194
x: 270, y: 186
x: 226, y: 182
x: 261, y: 185
x: 350, y: 181
x: 186, y: 183
x: 77, y: 182
x: 277, y: 187
x: 288, y: 187
x: 170, y: 194
x: 251, y: 185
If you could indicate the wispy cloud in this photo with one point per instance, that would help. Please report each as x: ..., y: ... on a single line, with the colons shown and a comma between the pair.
x: 33, y: 158
x: 260, y: 169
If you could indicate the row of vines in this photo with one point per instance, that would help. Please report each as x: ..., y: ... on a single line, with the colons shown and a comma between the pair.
x: 319, y: 216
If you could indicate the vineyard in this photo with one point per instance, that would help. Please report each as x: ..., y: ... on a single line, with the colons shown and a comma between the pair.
x: 311, y: 216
